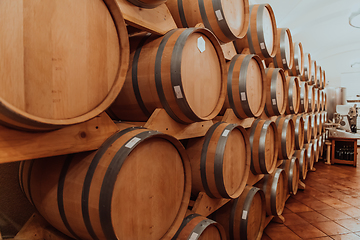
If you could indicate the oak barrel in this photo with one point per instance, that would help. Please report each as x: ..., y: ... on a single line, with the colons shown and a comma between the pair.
x: 310, y: 155
x: 261, y: 37
x: 274, y: 186
x: 303, y: 163
x: 324, y: 80
x: 220, y: 161
x: 246, y: 86
x: 304, y: 97
x: 320, y: 121
x: 183, y: 72
x: 147, y: 3
x: 320, y: 145
x: 228, y: 20
x: 244, y: 217
x: 127, y: 189
x: 285, y: 49
x: 317, y: 100
x: 306, y: 76
x: 264, y: 139
x: 286, y: 135
x: 322, y: 99
x: 292, y: 171
x: 307, y: 127
x: 299, y: 130
x: 197, y: 227
x: 275, y: 92
x: 298, y: 62
x: 319, y: 77
x: 311, y: 105
x: 316, y: 149
x: 292, y: 96
x: 60, y: 68
x: 312, y: 80
x: 314, y: 126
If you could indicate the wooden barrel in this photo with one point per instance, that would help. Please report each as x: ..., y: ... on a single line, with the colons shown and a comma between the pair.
x: 220, y: 161
x: 324, y: 80
x: 314, y: 127
x: 303, y: 163
x: 321, y: 100
x: 298, y: 121
x: 274, y: 186
x: 298, y: 64
x: 312, y: 79
x: 246, y: 86
x: 285, y: 49
x: 292, y: 171
x: 170, y: 72
x: 261, y: 37
x: 317, y: 100
x: 264, y: 146
x: 275, y: 92
x: 128, y: 189
x: 306, y: 76
x: 320, y: 121
x: 196, y: 227
x: 147, y: 3
x: 318, y: 77
x: 325, y: 116
x: 320, y: 145
x: 304, y: 97
x: 228, y: 20
x: 316, y: 149
x: 292, y: 96
x: 310, y: 155
x: 307, y: 127
x: 244, y: 217
x: 325, y: 102
x: 311, y: 105
x: 286, y: 136
x: 58, y: 67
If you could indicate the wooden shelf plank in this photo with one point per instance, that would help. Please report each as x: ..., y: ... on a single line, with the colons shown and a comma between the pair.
x: 230, y: 117
x: 205, y: 205
x: 20, y: 145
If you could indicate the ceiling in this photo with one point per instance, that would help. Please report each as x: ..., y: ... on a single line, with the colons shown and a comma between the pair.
x: 322, y: 26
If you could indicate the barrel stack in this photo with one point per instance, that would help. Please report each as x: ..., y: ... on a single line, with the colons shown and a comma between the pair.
x: 205, y: 146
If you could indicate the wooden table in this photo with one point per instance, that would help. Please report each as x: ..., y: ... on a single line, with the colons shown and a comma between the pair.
x: 352, y: 141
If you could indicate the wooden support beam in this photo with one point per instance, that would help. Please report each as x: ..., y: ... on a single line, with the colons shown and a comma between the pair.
x: 205, y: 205
x: 301, y: 185
x: 157, y: 20
x: 279, y: 219
x: 228, y: 50
x: 18, y: 145
x: 230, y: 117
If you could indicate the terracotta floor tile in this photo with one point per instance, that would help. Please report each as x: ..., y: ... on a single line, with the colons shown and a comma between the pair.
x: 313, y: 217
x: 317, y: 205
x: 293, y: 219
x: 306, y: 231
x: 331, y: 228
x: 349, y: 236
x: 351, y: 211
x: 281, y: 233
x: 298, y: 207
x: 335, y: 203
x: 334, y: 214
x: 352, y: 224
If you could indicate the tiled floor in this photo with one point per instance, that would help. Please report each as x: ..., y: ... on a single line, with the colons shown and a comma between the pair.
x: 329, y: 208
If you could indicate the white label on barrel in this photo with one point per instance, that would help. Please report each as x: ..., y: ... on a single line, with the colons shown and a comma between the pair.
x: 291, y: 108
x: 262, y: 45
x: 178, y: 92
x: 193, y: 236
x: 274, y: 101
x: 225, y: 133
x: 284, y: 61
x: 302, y: 101
x: 219, y: 15
x: 244, y: 215
x: 297, y: 67
x: 132, y: 142
x: 201, y: 44
x: 243, y: 96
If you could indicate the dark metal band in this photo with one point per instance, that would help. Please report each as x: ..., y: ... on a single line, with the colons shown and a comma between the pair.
x: 229, y: 84
x: 262, y: 145
x: 290, y: 95
x: 224, y: 26
x: 291, y: 174
x: 134, y: 74
x: 109, y: 181
x: 297, y: 54
x: 260, y: 30
x: 283, y: 137
x: 158, y: 80
x: 89, y: 177
x: 249, y: 37
x: 184, y: 223
x: 29, y: 180
x: 60, y: 194
x: 297, y: 132
x: 283, y: 49
x: 182, y: 14
x: 219, y: 160
x: 242, y: 85
x: 175, y: 69
x: 199, y: 228
x: 251, y: 140
x: 275, y: 107
x: 203, y: 159
x: 204, y: 15
x: 233, y: 213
